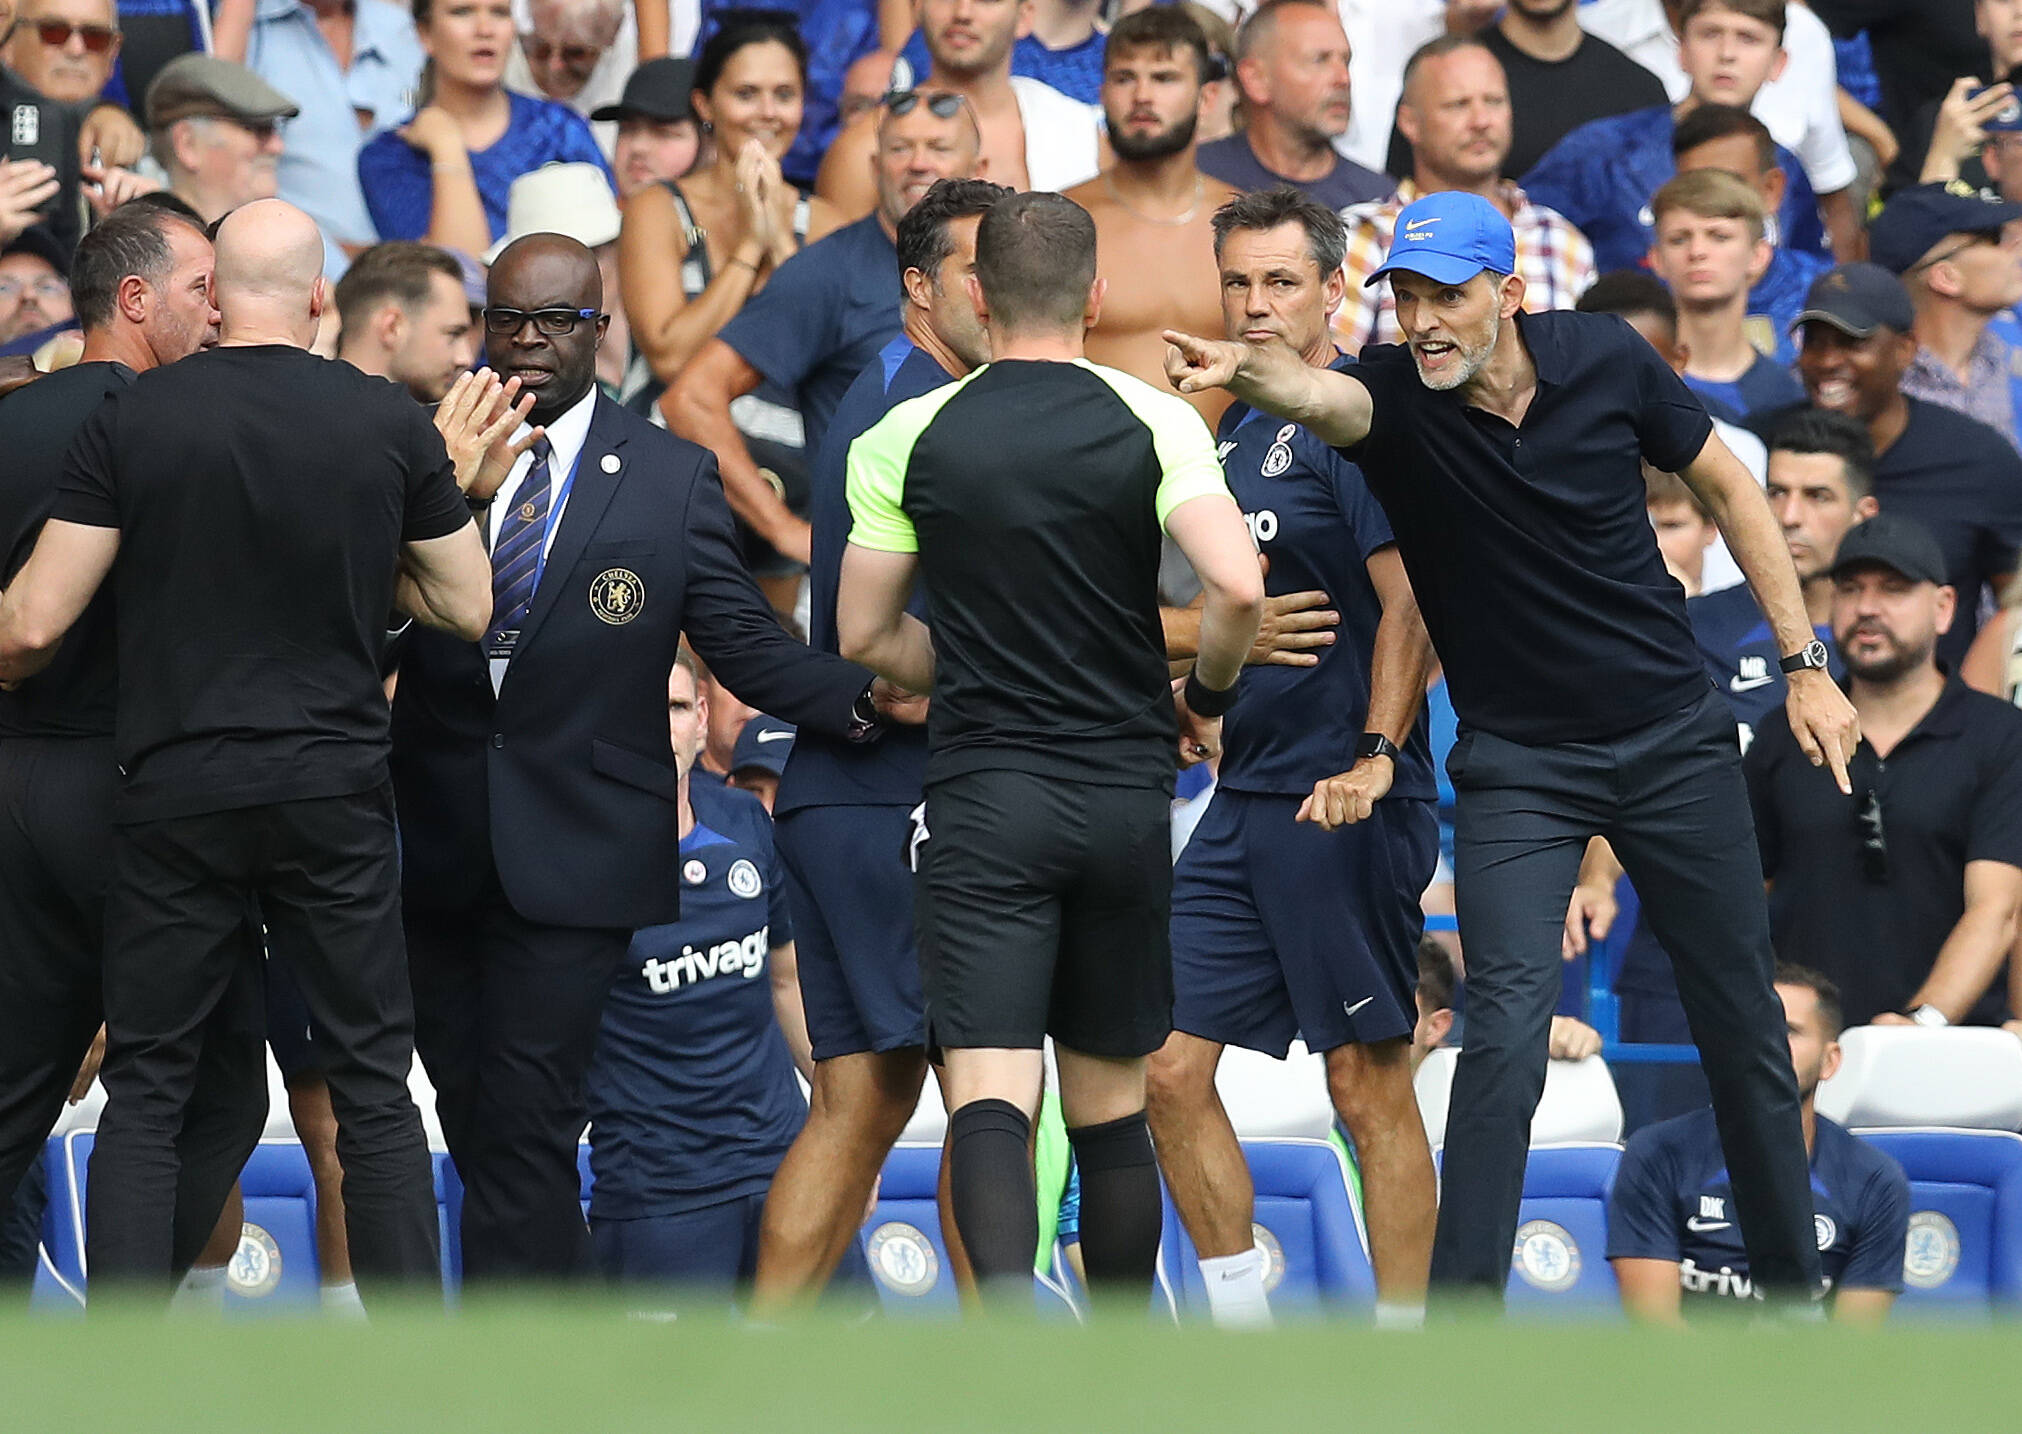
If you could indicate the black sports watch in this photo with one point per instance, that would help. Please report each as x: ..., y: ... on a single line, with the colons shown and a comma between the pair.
x: 867, y: 724
x: 1812, y: 655
x: 1375, y: 744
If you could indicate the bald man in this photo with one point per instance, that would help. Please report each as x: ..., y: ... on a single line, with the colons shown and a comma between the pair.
x: 538, y: 819
x: 260, y: 511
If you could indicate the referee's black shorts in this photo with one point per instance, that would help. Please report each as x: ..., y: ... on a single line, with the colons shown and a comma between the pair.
x: 1042, y: 909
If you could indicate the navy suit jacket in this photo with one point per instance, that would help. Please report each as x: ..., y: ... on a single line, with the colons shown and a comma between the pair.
x: 565, y: 782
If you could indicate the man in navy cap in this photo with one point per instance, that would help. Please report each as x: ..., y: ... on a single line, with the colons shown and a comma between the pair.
x: 1507, y: 449
x: 1957, y: 476
x: 1959, y: 254
x: 760, y: 756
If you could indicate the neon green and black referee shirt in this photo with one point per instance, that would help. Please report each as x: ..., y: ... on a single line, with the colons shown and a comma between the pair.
x: 1035, y: 494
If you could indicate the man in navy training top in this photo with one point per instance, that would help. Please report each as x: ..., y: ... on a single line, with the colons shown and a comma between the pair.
x: 843, y: 811
x: 1672, y: 1232
x: 1280, y: 928
x: 1506, y: 449
x: 692, y: 1097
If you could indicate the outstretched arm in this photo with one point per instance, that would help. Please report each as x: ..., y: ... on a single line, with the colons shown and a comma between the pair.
x: 1272, y: 377
x: 50, y: 593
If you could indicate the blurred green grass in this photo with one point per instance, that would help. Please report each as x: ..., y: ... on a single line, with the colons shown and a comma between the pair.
x: 564, y: 1366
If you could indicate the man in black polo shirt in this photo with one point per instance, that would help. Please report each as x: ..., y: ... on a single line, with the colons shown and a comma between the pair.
x: 1959, y: 478
x: 1043, y: 852
x: 1506, y: 449
x: 1906, y: 896
x: 267, y: 509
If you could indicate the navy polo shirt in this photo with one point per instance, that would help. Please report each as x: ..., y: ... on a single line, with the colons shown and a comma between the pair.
x: 1673, y: 1200
x: 1530, y: 548
x: 822, y: 320
x: 1950, y: 793
x: 692, y: 1095
x: 824, y: 771
x: 1311, y: 514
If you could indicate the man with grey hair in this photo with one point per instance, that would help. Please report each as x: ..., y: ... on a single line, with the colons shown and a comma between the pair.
x: 252, y: 727
x: 1292, y: 68
x: 1506, y: 449
x: 1280, y: 928
x: 215, y: 129
x: 569, y: 52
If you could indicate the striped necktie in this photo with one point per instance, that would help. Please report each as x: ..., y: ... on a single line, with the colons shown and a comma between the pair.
x: 516, y: 558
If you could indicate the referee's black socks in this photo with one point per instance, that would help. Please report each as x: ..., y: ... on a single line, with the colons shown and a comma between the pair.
x: 1120, y: 1208
x: 995, y: 1197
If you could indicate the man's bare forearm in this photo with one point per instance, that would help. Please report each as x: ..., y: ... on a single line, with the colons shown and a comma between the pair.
x: 1970, y: 959
x: 902, y: 653
x: 1398, y: 666
x: 1332, y: 405
x: 1741, y: 511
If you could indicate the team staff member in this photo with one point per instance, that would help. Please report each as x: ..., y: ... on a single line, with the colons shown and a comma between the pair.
x: 1671, y: 1215
x: 1506, y: 448
x: 252, y: 726
x: 142, y: 282
x: 842, y: 810
x: 1281, y: 929
x: 537, y: 795
x: 1044, y: 872
x: 692, y: 1096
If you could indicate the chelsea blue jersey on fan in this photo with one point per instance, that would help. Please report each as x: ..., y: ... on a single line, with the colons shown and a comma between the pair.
x: 1315, y: 519
x: 1673, y: 1201
x: 692, y: 1093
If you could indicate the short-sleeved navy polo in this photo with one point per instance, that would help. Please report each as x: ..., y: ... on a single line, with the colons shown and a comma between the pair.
x: 1530, y: 547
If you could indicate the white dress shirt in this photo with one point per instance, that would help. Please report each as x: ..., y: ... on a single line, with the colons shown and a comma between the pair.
x: 566, y: 436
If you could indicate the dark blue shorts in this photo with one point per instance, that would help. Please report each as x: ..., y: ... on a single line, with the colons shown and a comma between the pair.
x: 852, y: 897
x: 713, y: 1247
x: 1280, y: 929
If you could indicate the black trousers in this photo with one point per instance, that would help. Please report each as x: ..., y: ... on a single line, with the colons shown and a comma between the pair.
x: 324, y: 877
x: 506, y: 1019
x: 1671, y: 800
x: 56, y: 839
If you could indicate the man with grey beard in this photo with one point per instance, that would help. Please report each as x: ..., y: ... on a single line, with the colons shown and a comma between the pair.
x: 1506, y: 449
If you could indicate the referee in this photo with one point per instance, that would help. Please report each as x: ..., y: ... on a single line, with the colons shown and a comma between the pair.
x: 1505, y: 447
x: 266, y: 509
x: 1029, y: 499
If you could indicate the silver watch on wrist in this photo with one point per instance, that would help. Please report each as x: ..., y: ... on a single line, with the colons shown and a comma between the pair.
x: 1929, y: 1015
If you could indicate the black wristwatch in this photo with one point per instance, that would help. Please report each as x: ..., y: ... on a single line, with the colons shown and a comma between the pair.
x: 1812, y: 655
x: 866, y: 722
x: 1375, y: 744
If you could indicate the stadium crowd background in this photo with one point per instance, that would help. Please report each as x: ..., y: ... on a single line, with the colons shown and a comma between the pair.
x: 1813, y: 211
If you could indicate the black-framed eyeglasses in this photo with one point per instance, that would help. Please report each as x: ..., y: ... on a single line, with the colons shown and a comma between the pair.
x: 941, y: 104
x: 552, y: 322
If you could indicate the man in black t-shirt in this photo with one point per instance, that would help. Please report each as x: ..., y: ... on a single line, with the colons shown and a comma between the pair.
x: 1506, y: 449
x: 266, y: 509
x: 1042, y: 852
x: 143, y: 286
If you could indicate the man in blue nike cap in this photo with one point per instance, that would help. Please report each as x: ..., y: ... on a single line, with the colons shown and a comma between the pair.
x: 1507, y: 448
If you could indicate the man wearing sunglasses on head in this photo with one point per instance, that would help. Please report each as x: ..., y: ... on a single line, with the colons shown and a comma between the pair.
x: 536, y: 787
x: 1906, y: 893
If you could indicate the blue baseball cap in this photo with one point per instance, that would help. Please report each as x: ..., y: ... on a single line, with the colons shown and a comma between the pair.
x: 1450, y: 237
x: 762, y: 746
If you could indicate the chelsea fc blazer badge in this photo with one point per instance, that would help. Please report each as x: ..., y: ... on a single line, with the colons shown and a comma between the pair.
x: 617, y: 596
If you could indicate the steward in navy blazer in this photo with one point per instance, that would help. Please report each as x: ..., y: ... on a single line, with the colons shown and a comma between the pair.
x: 565, y: 781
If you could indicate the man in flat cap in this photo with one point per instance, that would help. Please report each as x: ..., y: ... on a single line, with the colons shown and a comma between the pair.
x: 215, y: 130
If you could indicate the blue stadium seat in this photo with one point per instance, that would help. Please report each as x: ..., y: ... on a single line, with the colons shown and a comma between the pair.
x: 275, y: 1267
x: 1559, y: 1264
x: 1964, y: 1254
x: 1311, y: 1232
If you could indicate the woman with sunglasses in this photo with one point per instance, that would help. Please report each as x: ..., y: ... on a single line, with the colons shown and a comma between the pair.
x: 443, y: 177
x: 734, y: 219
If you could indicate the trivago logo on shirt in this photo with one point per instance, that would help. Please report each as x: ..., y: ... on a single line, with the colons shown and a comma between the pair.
x: 744, y: 958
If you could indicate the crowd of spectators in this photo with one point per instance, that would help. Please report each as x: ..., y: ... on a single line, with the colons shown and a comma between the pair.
x: 1813, y: 210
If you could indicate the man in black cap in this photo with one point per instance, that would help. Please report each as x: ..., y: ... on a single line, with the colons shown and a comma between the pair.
x: 1959, y: 478
x: 762, y: 749
x: 1959, y: 254
x: 34, y: 289
x: 657, y: 134
x: 1908, y: 901
x: 215, y: 128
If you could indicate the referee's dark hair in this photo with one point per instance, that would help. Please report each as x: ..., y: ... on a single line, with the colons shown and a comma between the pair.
x: 923, y: 240
x: 1831, y: 1012
x: 398, y: 270
x: 132, y: 240
x: 1035, y: 260
x: 1266, y: 209
x: 1820, y: 430
x: 1711, y: 122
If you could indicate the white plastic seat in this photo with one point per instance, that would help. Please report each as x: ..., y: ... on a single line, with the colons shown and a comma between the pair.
x: 1275, y: 1100
x: 1579, y: 1104
x: 1962, y: 1077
